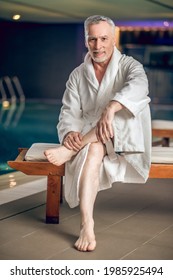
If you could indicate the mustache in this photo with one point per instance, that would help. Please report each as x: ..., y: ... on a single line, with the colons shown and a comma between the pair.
x: 97, y: 51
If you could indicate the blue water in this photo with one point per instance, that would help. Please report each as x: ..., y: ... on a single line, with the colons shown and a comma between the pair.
x: 25, y: 124
x: 34, y: 122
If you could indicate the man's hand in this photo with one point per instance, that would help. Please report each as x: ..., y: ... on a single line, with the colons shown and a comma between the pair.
x: 73, y: 141
x: 104, y: 130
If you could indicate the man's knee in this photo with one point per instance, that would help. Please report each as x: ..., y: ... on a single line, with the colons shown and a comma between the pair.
x: 96, y: 151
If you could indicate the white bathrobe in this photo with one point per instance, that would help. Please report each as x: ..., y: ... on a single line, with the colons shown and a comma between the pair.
x: 128, y: 158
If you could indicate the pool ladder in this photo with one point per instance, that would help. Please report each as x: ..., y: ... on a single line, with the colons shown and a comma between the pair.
x: 11, y: 90
x: 13, y: 101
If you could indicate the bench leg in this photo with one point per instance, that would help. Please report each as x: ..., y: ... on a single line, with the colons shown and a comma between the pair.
x: 53, y: 199
x: 165, y: 142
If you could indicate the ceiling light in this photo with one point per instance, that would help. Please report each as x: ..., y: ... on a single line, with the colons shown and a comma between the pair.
x: 16, y: 17
x: 166, y: 23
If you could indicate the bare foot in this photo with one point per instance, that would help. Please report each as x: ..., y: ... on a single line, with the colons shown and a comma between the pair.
x: 59, y: 155
x: 86, y: 240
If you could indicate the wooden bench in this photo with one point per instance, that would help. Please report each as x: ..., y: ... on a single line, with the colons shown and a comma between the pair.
x: 55, y: 178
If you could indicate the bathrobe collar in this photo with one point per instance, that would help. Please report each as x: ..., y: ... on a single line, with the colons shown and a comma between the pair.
x: 108, y: 78
x: 110, y: 73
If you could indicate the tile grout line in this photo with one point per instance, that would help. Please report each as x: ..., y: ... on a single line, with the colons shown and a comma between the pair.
x: 146, y: 242
x: 21, y: 212
x: 123, y: 219
x: 131, y: 215
x: 59, y: 252
x: 157, y: 234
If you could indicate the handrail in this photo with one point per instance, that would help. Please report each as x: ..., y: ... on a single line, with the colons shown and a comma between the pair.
x: 2, y: 90
x: 7, y: 80
x: 16, y: 83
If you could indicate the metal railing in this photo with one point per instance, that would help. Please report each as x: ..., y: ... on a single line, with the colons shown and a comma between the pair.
x: 12, y: 99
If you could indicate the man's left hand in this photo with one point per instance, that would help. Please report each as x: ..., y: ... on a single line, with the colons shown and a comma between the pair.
x: 104, y: 130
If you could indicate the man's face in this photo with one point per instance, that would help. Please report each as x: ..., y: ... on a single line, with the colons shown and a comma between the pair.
x: 100, y: 41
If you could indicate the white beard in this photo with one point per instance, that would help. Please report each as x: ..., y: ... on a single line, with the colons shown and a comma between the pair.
x: 100, y: 59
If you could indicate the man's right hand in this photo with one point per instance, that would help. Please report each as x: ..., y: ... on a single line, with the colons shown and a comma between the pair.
x: 73, y: 141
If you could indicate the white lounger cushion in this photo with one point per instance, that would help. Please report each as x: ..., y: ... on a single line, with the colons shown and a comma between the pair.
x: 162, y: 155
x: 36, y: 151
x: 162, y: 124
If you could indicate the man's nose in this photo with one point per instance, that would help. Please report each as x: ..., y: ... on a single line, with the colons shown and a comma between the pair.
x: 98, y: 44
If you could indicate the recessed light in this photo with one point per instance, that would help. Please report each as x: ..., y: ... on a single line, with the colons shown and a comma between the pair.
x: 166, y: 23
x: 16, y: 17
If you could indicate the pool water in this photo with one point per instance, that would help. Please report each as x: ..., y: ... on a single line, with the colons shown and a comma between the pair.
x: 25, y: 124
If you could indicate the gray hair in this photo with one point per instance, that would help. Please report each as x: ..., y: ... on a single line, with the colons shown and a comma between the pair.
x: 95, y: 20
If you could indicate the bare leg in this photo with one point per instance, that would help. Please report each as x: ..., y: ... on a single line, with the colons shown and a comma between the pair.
x: 61, y: 154
x: 89, y: 184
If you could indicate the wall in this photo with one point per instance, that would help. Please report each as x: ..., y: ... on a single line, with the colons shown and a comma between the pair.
x: 41, y: 55
x: 154, y: 49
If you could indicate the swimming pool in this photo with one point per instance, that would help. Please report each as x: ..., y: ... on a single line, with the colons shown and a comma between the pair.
x: 24, y: 124
x: 35, y: 121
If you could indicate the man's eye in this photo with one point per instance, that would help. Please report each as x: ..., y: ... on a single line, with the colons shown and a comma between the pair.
x: 92, y: 39
x: 104, y: 39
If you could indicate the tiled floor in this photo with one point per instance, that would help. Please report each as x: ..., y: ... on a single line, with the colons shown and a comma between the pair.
x: 132, y: 222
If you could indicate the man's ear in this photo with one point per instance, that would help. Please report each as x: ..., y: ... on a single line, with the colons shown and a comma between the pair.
x: 86, y: 44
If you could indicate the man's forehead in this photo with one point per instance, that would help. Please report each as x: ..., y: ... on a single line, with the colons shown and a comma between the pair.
x: 99, y: 29
x: 97, y: 37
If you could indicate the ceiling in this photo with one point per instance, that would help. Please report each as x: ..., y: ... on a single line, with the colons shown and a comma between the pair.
x: 56, y: 11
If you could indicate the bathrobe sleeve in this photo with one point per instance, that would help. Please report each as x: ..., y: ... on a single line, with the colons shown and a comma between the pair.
x: 70, y: 118
x: 132, y: 125
x: 134, y: 92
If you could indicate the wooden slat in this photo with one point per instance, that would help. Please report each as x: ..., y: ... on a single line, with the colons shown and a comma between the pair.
x: 21, y: 155
x: 161, y: 170
x: 37, y: 168
x: 163, y: 133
